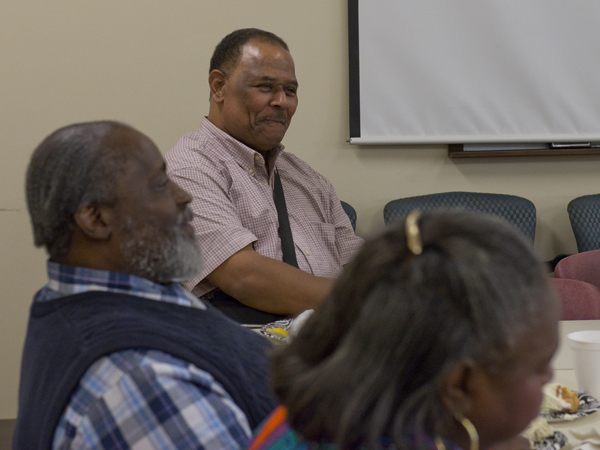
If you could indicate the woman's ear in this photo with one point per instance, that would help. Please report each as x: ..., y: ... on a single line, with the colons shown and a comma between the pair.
x: 92, y: 222
x: 216, y: 82
x: 457, y: 388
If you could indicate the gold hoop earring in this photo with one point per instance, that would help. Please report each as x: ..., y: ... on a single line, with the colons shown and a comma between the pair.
x: 471, y: 430
x: 413, y: 234
x: 439, y: 444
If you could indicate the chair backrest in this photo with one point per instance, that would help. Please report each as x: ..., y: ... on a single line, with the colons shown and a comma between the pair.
x: 584, y: 214
x: 351, y: 214
x: 583, y: 266
x: 517, y: 210
x: 580, y: 300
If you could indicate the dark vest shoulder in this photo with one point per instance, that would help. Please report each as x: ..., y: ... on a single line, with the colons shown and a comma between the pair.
x: 66, y: 336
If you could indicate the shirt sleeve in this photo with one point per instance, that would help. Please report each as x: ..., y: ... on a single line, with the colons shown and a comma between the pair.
x: 162, y: 403
x: 217, y: 224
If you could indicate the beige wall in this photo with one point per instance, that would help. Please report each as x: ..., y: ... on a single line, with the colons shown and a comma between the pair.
x: 145, y: 62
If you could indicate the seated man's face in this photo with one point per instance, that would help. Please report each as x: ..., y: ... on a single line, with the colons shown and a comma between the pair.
x: 260, y: 96
x: 153, y: 229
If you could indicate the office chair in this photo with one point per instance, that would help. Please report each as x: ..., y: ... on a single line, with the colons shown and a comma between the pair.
x: 584, y: 214
x: 517, y: 210
x: 584, y: 266
x: 580, y: 300
x: 351, y: 214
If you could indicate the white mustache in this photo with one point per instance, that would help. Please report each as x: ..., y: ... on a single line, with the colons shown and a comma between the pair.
x: 186, y: 217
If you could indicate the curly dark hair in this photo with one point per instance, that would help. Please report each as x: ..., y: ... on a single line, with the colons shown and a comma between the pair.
x: 371, y: 361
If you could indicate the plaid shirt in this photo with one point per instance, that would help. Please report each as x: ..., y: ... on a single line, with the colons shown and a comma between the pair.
x: 142, y: 398
x: 233, y: 205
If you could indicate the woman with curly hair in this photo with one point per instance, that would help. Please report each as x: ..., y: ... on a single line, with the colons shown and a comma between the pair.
x: 438, y: 335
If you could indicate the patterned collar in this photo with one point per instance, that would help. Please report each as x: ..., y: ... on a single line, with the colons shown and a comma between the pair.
x: 67, y: 280
x: 243, y: 155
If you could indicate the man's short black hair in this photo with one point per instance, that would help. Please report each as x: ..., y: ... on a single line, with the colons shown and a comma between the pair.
x: 228, y: 52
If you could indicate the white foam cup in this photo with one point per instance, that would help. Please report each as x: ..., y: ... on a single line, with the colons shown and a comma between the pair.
x: 586, y: 356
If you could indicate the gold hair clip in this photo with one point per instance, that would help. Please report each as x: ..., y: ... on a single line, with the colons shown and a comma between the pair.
x: 413, y: 234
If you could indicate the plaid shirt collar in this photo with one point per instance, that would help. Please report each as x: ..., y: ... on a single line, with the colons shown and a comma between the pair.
x: 68, y: 280
x: 243, y: 155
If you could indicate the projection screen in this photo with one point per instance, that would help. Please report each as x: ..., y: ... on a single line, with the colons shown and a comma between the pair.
x: 474, y: 71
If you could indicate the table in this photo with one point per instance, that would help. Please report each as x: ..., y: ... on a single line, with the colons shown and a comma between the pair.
x: 564, y: 373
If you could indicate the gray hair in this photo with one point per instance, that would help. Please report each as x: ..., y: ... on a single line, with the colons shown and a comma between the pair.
x: 72, y: 168
x: 371, y: 361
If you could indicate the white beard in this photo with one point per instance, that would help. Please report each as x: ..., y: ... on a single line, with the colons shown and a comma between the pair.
x: 161, y: 256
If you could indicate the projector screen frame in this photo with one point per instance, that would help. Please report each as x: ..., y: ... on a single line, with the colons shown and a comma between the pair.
x: 455, y: 149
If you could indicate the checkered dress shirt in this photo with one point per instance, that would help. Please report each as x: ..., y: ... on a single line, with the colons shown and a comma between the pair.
x: 233, y: 205
x: 142, y: 398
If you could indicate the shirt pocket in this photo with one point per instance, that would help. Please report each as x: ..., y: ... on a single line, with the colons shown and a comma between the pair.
x: 319, y: 250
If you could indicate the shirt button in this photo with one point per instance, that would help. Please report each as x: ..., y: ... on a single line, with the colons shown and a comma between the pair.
x: 256, y: 157
x: 251, y: 171
x: 307, y: 252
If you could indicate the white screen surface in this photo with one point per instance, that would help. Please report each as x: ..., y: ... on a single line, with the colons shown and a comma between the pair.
x: 478, y: 71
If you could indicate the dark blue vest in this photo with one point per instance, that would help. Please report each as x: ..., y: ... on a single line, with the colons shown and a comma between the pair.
x: 66, y: 336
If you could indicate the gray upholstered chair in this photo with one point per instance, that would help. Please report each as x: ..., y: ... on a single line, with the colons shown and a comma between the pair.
x: 584, y: 214
x: 517, y: 210
x: 351, y: 214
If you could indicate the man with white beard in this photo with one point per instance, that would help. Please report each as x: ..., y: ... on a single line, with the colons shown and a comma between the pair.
x: 118, y: 354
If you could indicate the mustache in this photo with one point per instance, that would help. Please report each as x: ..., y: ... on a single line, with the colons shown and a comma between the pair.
x: 186, y: 216
x: 277, y: 117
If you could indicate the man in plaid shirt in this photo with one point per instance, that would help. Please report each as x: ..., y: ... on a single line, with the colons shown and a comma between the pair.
x: 118, y: 354
x: 229, y: 165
